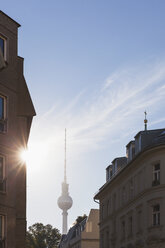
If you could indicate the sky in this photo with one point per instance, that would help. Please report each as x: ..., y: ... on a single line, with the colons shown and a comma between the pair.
x: 92, y: 67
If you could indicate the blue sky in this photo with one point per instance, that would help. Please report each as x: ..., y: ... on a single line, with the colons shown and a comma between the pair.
x: 92, y: 67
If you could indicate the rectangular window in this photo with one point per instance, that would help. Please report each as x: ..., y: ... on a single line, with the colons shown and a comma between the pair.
x: 122, y: 229
x: 156, y: 174
x: 123, y: 195
x: 102, y: 240
x: 2, y: 113
x: 114, y: 202
x: 131, y: 189
x: 107, y: 239
x: 156, y: 215
x: 2, y: 175
x: 3, y: 46
x: 2, y: 231
x: 139, y: 221
x: 102, y: 212
x: 130, y: 226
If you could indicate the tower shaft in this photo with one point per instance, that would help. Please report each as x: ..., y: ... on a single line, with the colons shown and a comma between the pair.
x: 64, y: 222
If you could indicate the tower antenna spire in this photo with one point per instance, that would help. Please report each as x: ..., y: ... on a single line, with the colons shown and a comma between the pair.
x: 65, y: 159
x: 145, y: 121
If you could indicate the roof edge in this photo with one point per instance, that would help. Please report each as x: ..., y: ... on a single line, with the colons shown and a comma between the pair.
x: 104, y: 186
x: 1, y: 12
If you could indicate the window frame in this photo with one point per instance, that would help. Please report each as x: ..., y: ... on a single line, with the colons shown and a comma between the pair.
x: 4, y: 117
x: 4, y: 53
x: 156, y: 215
x: 139, y: 216
x: 156, y: 174
x: 123, y: 227
x: 3, y: 179
x: 3, y: 227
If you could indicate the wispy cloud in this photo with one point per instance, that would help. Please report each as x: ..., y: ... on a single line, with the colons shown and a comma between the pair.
x: 110, y: 111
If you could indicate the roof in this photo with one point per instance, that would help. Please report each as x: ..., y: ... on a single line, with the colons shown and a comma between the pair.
x: 131, y: 142
x: 150, y: 131
x: 158, y: 139
x: 1, y: 12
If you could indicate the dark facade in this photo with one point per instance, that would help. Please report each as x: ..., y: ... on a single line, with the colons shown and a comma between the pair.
x: 133, y: 198
x: 16, y: 113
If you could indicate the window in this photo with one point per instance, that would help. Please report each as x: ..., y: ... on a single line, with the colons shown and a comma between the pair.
x: 102, y: 211
x: 123, y: 229
x: 107, y: 238
x: 131, y: 189
x: 2, y: 113
x: 156, y: 215
x: 114, y: 202
x: 2, y: 175
x: 102, y: 241
x: 123, y: 195
x: 3, y: 46
x: 2, y: 231
x: 139, y: 220
x: 156, y: 174
x: 114, y: 225
x: 130, y: 226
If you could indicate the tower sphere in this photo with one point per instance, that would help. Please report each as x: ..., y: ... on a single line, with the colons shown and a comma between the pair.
x: 65, y: 202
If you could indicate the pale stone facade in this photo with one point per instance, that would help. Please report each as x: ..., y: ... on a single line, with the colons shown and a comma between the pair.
x: 16, y: 113
x: 132, y: 201
x: 84, y: 234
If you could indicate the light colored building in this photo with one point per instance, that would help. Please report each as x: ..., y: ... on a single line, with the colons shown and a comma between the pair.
x: 84, y: 234
x: 132, y: 201
x: 16, y: 113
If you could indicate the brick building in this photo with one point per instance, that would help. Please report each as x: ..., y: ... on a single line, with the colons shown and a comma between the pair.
x: 16, y: 113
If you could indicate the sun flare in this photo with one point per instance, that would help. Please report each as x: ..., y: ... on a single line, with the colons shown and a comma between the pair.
x: 34, y: 155
x: 24, y: 155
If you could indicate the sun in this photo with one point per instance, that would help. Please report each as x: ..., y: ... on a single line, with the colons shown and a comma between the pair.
x: 34, y: 156
x: 24, y: 155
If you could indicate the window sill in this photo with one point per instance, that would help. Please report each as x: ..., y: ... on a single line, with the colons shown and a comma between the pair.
x: 155, y: 183
x: 156, y: 227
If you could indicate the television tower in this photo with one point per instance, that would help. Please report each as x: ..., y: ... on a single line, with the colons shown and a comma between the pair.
x: 65, y: 201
